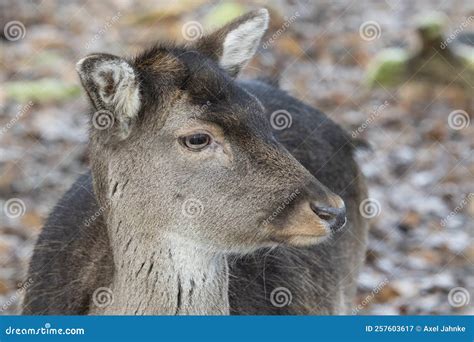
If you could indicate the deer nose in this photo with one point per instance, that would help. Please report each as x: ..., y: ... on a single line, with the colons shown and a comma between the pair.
x: 335, y: 217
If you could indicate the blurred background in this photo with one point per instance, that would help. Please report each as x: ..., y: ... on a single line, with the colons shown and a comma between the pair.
x: 395, y: 73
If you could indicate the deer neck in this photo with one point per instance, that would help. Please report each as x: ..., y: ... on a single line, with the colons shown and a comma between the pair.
x: 171, y: 276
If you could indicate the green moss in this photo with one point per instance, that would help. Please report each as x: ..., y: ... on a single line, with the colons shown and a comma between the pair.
x: 222, y: 13
x: 432, y: 24
x: 388, y: 68
x: 42, y: 90
x: 47, y: 58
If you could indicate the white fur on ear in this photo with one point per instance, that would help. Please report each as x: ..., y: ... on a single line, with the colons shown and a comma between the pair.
x: 125, y: 98
x: 112, y: 85
x: 241, y: 43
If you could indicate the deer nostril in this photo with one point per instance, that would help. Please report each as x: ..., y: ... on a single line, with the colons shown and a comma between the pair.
x: 324, y: 213
x: 335, y: 217
x: 324, y: 216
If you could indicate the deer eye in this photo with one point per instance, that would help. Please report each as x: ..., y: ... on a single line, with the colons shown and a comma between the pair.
x: 197, y: 141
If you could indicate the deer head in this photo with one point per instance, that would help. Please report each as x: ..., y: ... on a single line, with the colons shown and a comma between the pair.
x: 180, y: 150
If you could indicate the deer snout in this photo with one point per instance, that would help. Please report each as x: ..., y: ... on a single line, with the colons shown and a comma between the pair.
x: 309, y: 221
x: 335, y: 217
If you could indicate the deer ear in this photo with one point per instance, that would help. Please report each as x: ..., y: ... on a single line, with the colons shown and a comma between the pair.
x: 113, y: 88
x: 233, y: 45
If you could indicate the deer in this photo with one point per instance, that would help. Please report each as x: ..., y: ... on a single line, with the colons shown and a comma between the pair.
x: 194, y: 203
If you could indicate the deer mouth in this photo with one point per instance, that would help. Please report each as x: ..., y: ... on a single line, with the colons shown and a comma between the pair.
x: 304, y: 237
x: 304, y: 240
